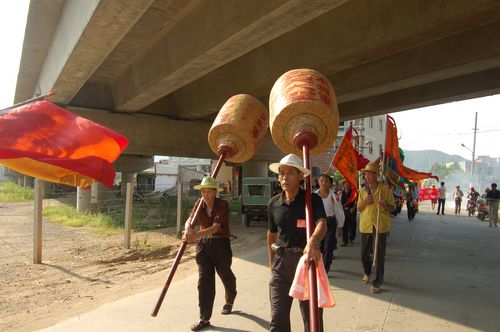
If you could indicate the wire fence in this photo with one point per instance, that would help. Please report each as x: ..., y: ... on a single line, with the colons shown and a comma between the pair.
x: 150, y: 209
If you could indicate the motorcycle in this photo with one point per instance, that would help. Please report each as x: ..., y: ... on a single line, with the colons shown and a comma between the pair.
x: 137, y: 197
x: 471, y: 207
x: 482, y: 210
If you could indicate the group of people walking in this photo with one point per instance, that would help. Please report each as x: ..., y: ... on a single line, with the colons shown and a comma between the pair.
x: 287, y: 242
x: 491, y: 196
x: 286, y: 237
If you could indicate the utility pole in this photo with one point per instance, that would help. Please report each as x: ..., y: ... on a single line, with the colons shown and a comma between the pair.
x: 474, y: 148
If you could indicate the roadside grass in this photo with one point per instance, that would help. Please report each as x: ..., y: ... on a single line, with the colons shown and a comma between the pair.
x: 11, y: 192
x: 147, y: 215
x: 69, y: 216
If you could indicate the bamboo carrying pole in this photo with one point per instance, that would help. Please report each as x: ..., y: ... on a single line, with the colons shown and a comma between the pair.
x: 304, y: 119
x: 308, y: 141
x: 237, y: 132
x: 373, y: 274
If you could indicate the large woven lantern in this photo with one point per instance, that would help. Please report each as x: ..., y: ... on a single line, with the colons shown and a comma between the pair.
x: 303, y: 101
x: 239, y: 128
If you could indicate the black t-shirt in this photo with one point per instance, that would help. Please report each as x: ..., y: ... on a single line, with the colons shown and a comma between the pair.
x: 493, y: 194
x: 283, y: 218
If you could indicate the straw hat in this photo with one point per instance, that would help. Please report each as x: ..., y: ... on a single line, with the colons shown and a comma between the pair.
x: 289, y: 160
x: 208, y: 182
x: 371, y: 167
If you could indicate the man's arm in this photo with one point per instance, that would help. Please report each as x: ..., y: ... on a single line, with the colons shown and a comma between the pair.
x: 312, y: 247
x: 271, y: 238
x: 208, y: 231
x: 387, y: 202
x: 363, y: 202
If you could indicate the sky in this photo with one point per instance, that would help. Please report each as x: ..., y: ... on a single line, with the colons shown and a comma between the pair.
x: 445, y: 127
x: 442, y: 127
x: 12, y: 23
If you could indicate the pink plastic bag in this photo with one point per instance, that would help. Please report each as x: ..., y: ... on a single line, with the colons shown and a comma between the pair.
x: 300, y: 285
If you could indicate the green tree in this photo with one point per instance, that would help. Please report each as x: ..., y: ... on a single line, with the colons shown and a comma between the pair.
x: 337, y: 176
x: 440, y: 170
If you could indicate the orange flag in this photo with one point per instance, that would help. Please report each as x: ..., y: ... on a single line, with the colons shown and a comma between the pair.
x: 392, y: 152
x: 346, y: 161
x: 45, y: 141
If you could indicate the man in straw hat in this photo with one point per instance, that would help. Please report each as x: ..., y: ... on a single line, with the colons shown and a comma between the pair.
x: 458, y: 194
x: 213, y: 252
x: 287, y: 240
x: 375, y: 202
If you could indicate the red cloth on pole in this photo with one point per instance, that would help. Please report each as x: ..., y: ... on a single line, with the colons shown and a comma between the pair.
x: 50, y: 143
x: 346, y: 161
x: 392, y: 151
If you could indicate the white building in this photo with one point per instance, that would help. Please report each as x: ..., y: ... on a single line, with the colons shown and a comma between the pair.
x: 371, y: 132
x: 164, y: 173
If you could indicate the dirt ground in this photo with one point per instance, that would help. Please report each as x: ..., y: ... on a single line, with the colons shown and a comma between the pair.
x: 82, y: 270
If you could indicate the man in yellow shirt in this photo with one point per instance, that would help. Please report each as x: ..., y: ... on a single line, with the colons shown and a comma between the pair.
x: 375, y: 203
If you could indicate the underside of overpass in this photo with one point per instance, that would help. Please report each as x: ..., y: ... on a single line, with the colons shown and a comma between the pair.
x: 158, y: 71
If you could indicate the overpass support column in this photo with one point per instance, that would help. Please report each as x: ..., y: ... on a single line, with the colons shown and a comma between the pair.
x: 98, y: 193
x: 82, y: 200
x: 128, y: 165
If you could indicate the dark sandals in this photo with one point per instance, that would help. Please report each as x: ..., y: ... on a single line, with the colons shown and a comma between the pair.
x: 201, y: 324
x: 227, y: 309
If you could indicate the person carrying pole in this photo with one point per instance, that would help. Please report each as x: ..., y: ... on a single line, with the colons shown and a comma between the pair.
x: 375, y: 203
x: 213, y: 252
x: 287, y: 240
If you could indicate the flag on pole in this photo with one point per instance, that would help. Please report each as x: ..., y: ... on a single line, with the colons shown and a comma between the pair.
x: 348, y: 161
x: 392, y: 152
x: 47, y: 142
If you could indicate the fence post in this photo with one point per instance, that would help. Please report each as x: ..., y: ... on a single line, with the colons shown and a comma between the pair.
x: 179, y: 202
x: 37, y: 222
x: 128, y: 215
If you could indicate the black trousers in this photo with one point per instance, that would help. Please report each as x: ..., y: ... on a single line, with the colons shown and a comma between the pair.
x: 441, y: 202
x: 214, y: 255
x: 411, y: 210
x: 329, y: 243
x: 284, y: 266
x: 458, y: 205
x: 367, y: 249
x: 349, y: 231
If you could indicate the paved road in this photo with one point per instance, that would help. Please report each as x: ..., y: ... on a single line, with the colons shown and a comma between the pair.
x: 441, y: 275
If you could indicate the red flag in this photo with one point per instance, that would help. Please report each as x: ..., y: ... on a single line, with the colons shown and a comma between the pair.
x: 425, y: 194
x: 346, y: 161
x: 392, y: 151
x: 362, y: 160
x: 50, y: 143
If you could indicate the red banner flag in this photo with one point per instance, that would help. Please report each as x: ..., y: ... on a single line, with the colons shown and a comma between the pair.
x: 392, y: 151
x: 50, y: 143
x: 425, y: 194
x: 346, y: 161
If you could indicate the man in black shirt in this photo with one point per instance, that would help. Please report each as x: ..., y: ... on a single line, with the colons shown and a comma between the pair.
x: 287, y: 240
x: 493, y: 197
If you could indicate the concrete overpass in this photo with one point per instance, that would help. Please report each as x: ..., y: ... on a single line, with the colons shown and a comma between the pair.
x: 158, y: 71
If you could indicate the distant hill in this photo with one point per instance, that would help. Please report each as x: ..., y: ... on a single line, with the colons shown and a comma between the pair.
x: 424, y: 159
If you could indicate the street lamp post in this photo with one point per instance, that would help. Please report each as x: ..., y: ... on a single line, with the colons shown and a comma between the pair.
x: 473, y: 148
x: 472, y: 161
